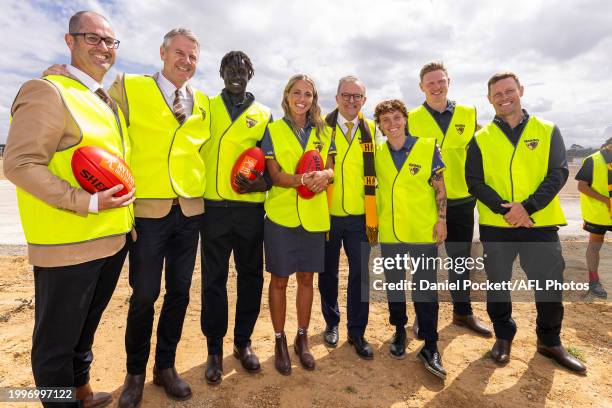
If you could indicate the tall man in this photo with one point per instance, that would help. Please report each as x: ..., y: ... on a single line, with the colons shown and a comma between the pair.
x: 515, y: 168
x: 77, y: 242
x: 168, y: 123
x: 352, y: 203
x: 453, y: 126
x: 234, y: 220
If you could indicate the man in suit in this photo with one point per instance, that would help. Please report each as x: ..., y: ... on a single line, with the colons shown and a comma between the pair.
x: 168, y: 123
x: 77, y: 241
x: 353, y: 212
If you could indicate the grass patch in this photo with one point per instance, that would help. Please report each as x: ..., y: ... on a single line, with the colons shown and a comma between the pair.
x: 350, y: 389
x: 575, y: 352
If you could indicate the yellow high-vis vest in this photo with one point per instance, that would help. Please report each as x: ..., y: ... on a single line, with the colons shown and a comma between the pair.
x: 166, y: 159
x: 283, y: 205
x: 227, y: 141
x: 452, y: 144
x: 516, y: 172
x: 44, y: 224
x: 594, y: 211
x: 348, y: 193
x: 406, y: 202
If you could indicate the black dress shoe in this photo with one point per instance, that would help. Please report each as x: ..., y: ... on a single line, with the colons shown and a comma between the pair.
x: 500, y: 353
x: 398, y: 344
x: 176, y: 388
x: 561, y: 356
x: 214, y: 369
x: 472, y: 323
x: 362, y: 347
x: 415, y: 330
x: 330, y: 336
x: 247, y: 358
x: 131, y: 394
x: 432, y: 362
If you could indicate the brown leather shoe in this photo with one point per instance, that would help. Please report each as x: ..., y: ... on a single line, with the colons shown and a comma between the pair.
x: 300, y: 346
x: 472, y: 323
x: 131, y: 394
x: 247, y: 358
x: 415, y: 330
x: 500, y: 353
x: 176, y: 388
x: 92, y: 399
x: 561, y: 356
x: 282, y: 361
x: 214, y: 369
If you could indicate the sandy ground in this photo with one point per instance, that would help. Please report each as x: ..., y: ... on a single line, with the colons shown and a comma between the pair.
x: 341, y: 379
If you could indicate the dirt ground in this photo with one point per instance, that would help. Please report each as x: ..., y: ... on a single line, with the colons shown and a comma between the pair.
x: 341, y: 379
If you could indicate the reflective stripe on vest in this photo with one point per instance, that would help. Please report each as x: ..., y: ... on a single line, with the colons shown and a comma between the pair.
x: 516, y: 172
x: 406, y: 202
x: 348, y: 193
x: 44, y: 224
x: 227, y: 141
x: 594, y: 211
x: 283, y: 205
x: 166, y: 159
x: 453, y: 144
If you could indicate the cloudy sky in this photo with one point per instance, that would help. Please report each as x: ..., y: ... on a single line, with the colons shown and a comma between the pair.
x: 560, y: 49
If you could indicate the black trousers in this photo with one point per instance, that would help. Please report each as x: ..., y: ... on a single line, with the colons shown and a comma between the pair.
x: 172, y: 240
x: 460, y: 229
x: 347, y: 232
x: 69, y: 305
x: 540, y: 256
x: 223, y: 230
x: 425, y: 301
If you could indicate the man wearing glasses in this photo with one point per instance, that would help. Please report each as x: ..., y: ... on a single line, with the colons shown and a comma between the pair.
x: 353, y: 216
x: 168, y: 122
x: 77, y: 241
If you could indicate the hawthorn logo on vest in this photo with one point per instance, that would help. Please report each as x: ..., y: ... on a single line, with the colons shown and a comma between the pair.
x: 532, y: 143
x: 318, y: 145
x: 203, y: 112
x: 250, y: 122
x: 459, y: 128
x: 414, y: 168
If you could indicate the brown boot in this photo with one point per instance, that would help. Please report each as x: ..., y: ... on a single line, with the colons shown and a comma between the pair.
x: 472, y: 323
x: 561, y: 356
x: 282, y: 361
x: 175, y: 387
x: 92, y: 399
x: 131, y: 394
x: 300, y: 345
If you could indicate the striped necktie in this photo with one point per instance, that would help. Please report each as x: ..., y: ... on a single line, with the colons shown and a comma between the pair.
x: 177, y: 107
x: 105, y: 98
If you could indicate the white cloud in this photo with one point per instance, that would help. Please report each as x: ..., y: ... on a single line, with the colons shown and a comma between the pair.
x: 559, y: 49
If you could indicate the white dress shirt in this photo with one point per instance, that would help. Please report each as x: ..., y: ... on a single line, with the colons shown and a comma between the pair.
x: 342, y: 123
x: 168, y: 89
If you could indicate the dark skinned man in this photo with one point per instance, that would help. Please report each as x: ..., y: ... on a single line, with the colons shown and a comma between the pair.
x: 233, y: 221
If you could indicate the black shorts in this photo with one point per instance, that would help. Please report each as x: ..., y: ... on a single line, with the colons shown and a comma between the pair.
x: 596, y: 228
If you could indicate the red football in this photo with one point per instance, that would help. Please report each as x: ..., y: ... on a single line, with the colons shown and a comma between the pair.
x: 96, y: 169
x: 251, y: 159
x: 310, y: 161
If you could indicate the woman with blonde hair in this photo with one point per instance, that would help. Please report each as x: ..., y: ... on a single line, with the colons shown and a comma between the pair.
x: 294, y: 231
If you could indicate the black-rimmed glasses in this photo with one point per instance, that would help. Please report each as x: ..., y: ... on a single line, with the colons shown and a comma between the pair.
x: 95, y: 39
x: 347, y: 97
